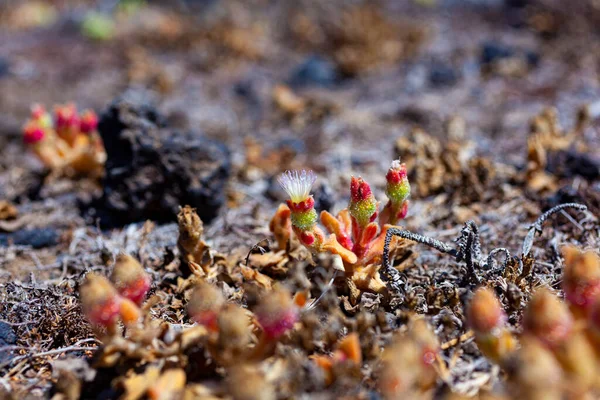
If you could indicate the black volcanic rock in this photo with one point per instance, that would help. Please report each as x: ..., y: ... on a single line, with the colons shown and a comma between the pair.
x: 152, y: 169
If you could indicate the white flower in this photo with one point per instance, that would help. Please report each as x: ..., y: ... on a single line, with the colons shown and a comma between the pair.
x: 297, y: 184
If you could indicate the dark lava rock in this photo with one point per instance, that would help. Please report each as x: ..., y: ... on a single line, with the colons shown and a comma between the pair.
x: 151, y: 169
x: 7, y: 334
x: 442, y: 75
x: 568, y: 163
x: 37, y: 238
x: 516, y: 3
x: 492, y: 52
x: 7, y: 338
x: 583, y: 194
x: 4, y: 67
x: 324, y: 197
x: 315, y: 71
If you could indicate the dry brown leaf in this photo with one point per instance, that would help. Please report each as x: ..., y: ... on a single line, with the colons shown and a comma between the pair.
x: 252, y: 275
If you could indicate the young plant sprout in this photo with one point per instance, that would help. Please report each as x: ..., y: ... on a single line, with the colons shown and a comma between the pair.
x: 205, y: 305
x: 66, y: 140
x: 100, y: 301
x: 533, y: 372
x: 488, y: 320
x: 103, y: 305
x: 397, y: 191
x: 298, y: 184
x: 581, y: 279
x: 550, y: 321
x: 130, y: 279
x: 407, y: 367
x: 276, y: 313
x: 356, y: 234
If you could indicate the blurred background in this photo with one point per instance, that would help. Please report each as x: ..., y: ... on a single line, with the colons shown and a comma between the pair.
x: 337, y: 86
x: 324, y: 72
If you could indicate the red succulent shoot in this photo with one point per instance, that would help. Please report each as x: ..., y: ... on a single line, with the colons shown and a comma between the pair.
x: 276, y: 313
x: 359, y: 189
x: 37, y: 111
x: 130, y: 279
x: 99, y: 300
x: 88, y: 122
x: 66, y: 116
x: 205, y: 304
x: 33, y: 133
x: 396, y: 175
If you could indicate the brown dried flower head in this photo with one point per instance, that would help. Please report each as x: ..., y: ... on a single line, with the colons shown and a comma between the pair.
x: 191, y: 227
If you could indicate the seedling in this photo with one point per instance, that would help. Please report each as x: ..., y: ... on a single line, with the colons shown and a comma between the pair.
x: 550, y: 321
x: 130, y: 279
x: 103, y: 305
x: 356, y: 234
x: 205, y: 304
x: 276, y: 313
x: 67, y: 140
x: 581, y: 279
x: 488, y: 320
x: 408, y: 365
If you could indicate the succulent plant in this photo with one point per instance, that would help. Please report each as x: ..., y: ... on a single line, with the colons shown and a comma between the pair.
x: 356, y: 234
x: 66, y: 140
x: 488, y: 320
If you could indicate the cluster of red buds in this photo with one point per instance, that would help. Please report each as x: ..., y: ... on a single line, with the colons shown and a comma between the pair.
x: 104, y: 301
x: 275, y: 314
x: 560, y: 340
x: 356, y: 234
x: 66, y: 139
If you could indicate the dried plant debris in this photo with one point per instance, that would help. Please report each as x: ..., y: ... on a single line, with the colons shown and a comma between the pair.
x: 341, y: 309
x: 468, y: 246
x: 554, y: 153
x: 346, y: 289
x: 437, y: 167
x: 360, y: 37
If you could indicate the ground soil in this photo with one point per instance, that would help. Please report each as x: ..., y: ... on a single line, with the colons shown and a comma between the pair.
x: 213, y: 68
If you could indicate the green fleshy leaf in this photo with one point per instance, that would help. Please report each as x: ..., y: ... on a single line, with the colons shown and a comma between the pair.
x: 362, y: 211
x: 305, y: 220
x: 399, y: 192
